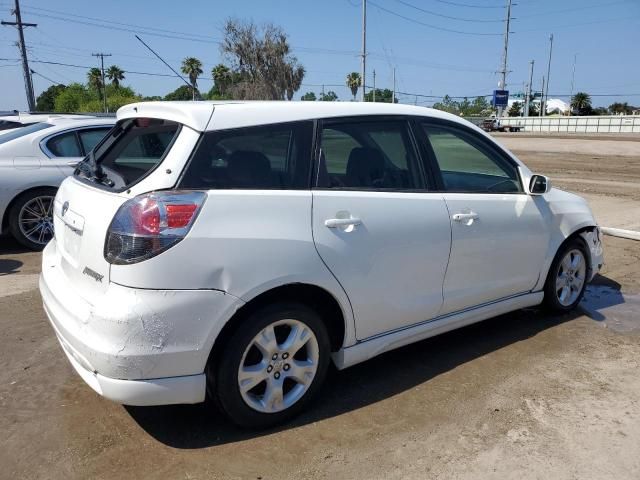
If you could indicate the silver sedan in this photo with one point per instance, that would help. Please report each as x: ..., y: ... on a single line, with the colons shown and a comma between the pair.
x: 33, y: 162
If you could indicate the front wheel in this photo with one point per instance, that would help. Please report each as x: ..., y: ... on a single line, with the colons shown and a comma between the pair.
x: 567, y: 277
x: 272, y: 366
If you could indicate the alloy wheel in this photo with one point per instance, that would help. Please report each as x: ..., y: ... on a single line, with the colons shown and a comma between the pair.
x: 571, y: 277
x: 35, y: 219
x: 278, y: 366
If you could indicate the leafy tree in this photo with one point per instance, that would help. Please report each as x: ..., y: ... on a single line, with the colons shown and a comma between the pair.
x: 46, y: 100
x: 515, y: 110
x: 480, y: 106
x: 115, y: 74
x: 261, y: 59
x: 221, y: 78
x: 308, y: 97
x: 94, y: 78
x: 600, y: 111
x: 70, y: 99
x: 618, y: 108
x: 192, y: 67
x: 382, y: 96
x: 152, y: 98
x: 447, y: 104
x: 581, y: 102
x: 354, y: 81
x: 294, y: 76
x: 183, y: 92
x: 330, y: 96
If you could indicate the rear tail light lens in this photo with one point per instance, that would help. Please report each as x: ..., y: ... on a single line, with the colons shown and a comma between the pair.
x: 149, y: 224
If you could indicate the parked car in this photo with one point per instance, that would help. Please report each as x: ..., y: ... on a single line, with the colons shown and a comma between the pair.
x: 34, y: 160
x: 236, y: 249
x: 16, y: 119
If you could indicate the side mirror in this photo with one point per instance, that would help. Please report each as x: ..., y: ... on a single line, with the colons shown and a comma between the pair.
x: 539, y: 185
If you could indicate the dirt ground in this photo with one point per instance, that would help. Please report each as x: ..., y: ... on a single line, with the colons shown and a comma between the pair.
x: 523, y: 395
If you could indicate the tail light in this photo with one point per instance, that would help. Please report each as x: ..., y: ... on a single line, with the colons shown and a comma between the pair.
x: 149, y: 224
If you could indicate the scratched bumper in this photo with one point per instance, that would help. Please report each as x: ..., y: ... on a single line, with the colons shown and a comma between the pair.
x: 134, y: 334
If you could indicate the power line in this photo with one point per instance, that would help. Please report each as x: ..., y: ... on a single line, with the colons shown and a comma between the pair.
x: 46, y: 78
x: 456, y: 4
x: 460, y: 19
x: 434, y: 27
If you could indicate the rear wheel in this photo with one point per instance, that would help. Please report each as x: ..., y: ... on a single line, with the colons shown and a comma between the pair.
x: 31, y: 218
x: 567, y: 277
x: 272, y: 366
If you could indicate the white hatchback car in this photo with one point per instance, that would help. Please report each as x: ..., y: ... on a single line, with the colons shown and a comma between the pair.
x: 34, y: 159
x: 235, y: 249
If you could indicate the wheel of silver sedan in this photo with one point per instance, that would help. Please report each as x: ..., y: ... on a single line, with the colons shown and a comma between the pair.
x: 35, y: 219
x: 278, y: 366
x: 571, y: 277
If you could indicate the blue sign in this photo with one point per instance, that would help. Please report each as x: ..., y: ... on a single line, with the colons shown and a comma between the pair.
x: 500, y: 98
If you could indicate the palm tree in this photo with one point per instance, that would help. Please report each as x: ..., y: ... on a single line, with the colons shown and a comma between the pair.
x: 193, y: 67
x: 581, y: 101
x: 115, y: 74
x: 354, y: 81
x: 294, y: 80
x: 221, y: 76
x: 94, y: 78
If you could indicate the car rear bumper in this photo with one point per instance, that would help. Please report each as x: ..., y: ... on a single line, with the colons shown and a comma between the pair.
x: 135, y: 346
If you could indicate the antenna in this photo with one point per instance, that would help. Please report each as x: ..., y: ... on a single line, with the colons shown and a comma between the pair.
x: 162, y: 60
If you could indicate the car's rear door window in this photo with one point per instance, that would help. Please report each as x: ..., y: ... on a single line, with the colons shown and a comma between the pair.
x: 367, y: 154
x: 264, y: 157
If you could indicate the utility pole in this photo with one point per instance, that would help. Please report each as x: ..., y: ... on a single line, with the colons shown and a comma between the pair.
x: 374, y: 85
x: 546, y: 93
x: 542, y: 104
x: 528, y: 98
x: 104, y: 87
x: 28, y: 82
x: 364, y: 47
x: 573, y: 76
x: 503, y: 71
x: 393, y: 94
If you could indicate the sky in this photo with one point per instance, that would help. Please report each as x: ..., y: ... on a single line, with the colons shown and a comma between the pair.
x: 437, y: 47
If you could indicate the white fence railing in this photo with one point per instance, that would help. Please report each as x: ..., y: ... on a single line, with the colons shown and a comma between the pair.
x: 594, y: 124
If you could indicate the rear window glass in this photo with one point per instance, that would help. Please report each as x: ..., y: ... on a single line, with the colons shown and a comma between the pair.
x: 22, y: 131
x: 134, y: 148
x: 264, y: 157
x: 65, y: 145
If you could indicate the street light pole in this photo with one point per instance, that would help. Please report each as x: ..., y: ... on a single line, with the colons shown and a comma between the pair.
x: 528, y: 98
x: 503, y: 72
x: 546, y: 94
x: 364, y: 48
x: 28, y: 82
x: 104, y: 87
x: 573, y: 76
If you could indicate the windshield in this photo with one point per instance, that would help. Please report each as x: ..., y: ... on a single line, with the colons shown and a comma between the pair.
x: 22, y: 131
x: 131, y: 150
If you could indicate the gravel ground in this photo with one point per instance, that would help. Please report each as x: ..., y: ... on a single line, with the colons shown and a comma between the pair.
x: 523, y: 395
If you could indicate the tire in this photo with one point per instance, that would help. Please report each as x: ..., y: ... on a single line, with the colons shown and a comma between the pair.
x: 567, y: 278
x: 31, y: 218
x: 279, y: 381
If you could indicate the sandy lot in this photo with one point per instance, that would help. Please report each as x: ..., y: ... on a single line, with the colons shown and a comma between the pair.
x: 524, y: 395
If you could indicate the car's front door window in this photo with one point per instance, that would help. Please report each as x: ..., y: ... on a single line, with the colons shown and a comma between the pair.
x: 468, y: 164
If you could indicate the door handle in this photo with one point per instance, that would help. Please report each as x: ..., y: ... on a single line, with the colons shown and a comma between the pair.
x: 461, y: 217
x: 342, y: 222
x: 73, y: 163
